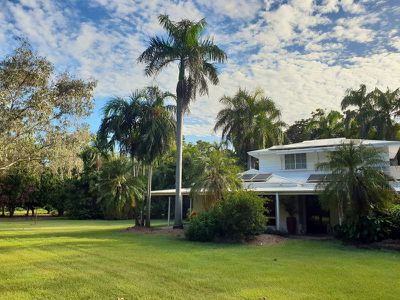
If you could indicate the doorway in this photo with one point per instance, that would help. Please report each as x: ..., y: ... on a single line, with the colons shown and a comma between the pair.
x: 317, y: 218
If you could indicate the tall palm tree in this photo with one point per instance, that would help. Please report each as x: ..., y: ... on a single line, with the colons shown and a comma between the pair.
x: 141, y: 126
x: 250, y: 121
x: 387, y: 108
x: 157, y: 127
x: 218, y: 175
x: 357, y: 185
x: 119, y: 191
x: 195, y: 58
x: 363, y: 113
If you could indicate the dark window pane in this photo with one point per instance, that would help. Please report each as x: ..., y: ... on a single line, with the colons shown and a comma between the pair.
x: 290, y: 162
x: 301, y: 161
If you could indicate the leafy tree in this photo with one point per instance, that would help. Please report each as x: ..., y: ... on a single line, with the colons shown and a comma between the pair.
x: 142, y: 126
x: 321, y: 125
x: 362, y: 114
x: 357, y: 185
x: 120, y: 192
x: 52, y: 191
x: 157, y: 127
x: 195, y: 57
x: 386, y: 107
x: 37, y: 106
x: 18, y: 189
x: 298, y: 131
x: 218, y: 175
x: 250, y: 121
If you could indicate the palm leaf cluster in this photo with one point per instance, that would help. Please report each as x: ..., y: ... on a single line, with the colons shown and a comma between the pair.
x: 250, y: 121
x: 119, y: 190
x: 195, y: 57
x: 141, y: 126
x: 218, y: 174
x: 373, y: 113
x: 357, y: 185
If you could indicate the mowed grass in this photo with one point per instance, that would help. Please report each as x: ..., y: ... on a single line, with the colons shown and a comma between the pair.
x: 63, y: 259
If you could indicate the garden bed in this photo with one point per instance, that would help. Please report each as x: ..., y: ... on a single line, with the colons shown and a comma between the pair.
x: 260, y: 240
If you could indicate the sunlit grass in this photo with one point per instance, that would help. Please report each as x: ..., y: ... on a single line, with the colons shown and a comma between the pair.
x: 63, y: 259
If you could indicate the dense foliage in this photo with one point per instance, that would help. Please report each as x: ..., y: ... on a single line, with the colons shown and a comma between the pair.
x: 40, y: 111
x: 366, y: 115
x: 250, y: 121
x: 217, y: 174
x: 365, y: 229
x: 360, y: 192
x: 239, y: 216
x: 142, y: 126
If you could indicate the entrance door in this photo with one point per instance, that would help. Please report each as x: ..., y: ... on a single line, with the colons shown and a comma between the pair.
x: 317, y: 218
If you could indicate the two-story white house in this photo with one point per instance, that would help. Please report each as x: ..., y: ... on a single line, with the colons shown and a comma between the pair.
x: 287, y: 174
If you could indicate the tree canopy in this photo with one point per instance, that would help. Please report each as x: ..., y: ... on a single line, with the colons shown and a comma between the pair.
x: 39, y: 109
x: 250, y: 121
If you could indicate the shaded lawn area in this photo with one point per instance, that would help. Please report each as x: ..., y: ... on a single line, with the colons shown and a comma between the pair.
x: 65, y: 259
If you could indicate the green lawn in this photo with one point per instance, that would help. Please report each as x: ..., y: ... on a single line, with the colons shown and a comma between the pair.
x: 62, y: 259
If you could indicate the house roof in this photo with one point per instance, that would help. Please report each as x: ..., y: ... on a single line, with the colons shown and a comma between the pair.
x: 320, y: 145
x: 275, y: 184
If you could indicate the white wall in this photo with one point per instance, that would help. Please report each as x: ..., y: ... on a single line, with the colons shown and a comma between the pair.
x: 272, y: 163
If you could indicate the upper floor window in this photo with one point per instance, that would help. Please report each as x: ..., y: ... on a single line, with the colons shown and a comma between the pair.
x: 295, y: 161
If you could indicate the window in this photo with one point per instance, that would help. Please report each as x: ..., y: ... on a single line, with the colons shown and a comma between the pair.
x: 295, y: 161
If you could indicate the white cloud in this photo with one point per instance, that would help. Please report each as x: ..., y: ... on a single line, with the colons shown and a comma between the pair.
x: 264, y: 41
x: 234, y: 8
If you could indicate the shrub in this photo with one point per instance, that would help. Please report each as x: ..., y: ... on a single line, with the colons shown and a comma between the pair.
x: 240, y: 216
x: 365, y: 229
x: 202, y: 227
x: 394, y: 218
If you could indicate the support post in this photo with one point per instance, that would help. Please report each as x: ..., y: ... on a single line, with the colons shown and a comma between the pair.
x: 169, y: 209
x: 277, y: 217
x: 190, y: 205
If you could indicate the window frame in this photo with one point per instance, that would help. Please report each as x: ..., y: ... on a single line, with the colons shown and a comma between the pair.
x: 298, y: 161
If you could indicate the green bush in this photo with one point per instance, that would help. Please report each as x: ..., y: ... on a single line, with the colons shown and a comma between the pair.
x: 240, y: 216
x: 394, y: 218
x: 202, y: 227
x: 365, y: 229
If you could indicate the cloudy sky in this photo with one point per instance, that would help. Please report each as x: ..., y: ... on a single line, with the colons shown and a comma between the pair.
x: 303, y: 53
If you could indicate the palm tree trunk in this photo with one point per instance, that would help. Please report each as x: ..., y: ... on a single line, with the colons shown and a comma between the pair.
x: 340, y: 213
x: 148, y: 204
x: 178, y: 174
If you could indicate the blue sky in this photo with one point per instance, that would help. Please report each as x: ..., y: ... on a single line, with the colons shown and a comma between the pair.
x: 304, y: 54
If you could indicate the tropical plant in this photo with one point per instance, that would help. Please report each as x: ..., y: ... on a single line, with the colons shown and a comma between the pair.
x: 250, y: 121
x: 120, y: 192
x: 240, y: 216
x: 119, y: 127
x: 363, y: 113
x: 386, y: 107
x: 195, y: 57
x: 357, y: 185
x: 218, y: 175
x: 157, y: 127
x: 142, y: 126
x: 321, y: 125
